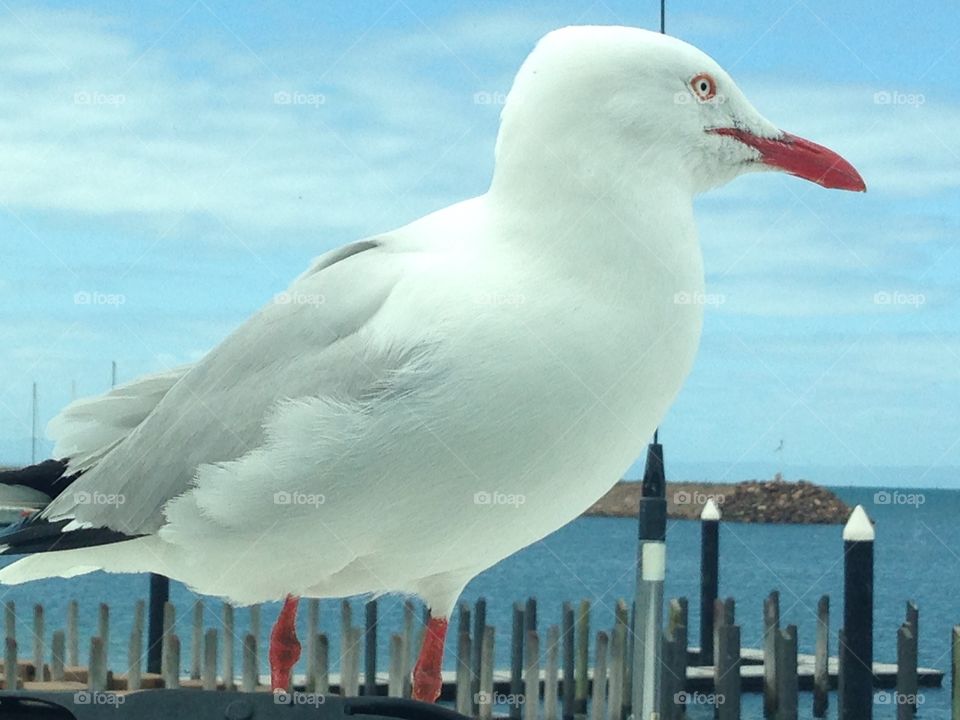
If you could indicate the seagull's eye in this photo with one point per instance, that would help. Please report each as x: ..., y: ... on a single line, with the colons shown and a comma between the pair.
x: 704, y: 87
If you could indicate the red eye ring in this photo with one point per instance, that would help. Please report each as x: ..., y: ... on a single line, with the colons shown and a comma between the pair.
x: 704, y: 87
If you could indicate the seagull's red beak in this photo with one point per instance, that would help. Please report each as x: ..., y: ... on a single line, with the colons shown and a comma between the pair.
x: 802, y: 158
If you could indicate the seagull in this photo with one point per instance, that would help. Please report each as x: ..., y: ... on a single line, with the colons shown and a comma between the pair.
x: 420, y: 404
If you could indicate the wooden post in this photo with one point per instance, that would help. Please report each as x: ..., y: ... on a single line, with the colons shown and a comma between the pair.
x: 582, y: 636
x: 370, y: 648
x: 134, y: 657
x: 10, y: 619
x: 671, y: 684
x: 569, y: 692
x: 530, y: 614
x: 787, y: 674
x: 171, y: 675
x: 57, y: 655
x: 479, y: 622
x: 249, y: 671
x: 11, y: 678
x: 905, y: 695
x: 531, y: 675
x: 254, y: 629
x: 73, y: 642
x: 353, y: 673
x: 408, y: 646
x: 228, y: 635
x: 821, y: 673
x: 196, y: 640
x: 313, y: 621
x: 169, y: 621
x: 103, y: 628
x: 346, y: 630
x: 322, y: 682
x: 622, y: 614
x: 771, y: 629
x: 599, y: 698
x: 209, y: 673
x: 395, y: 667
x: 856, y: 701
x: 38, y: 635
x: 954, y: 673
x: 727, y: 677
x: 485, y: 700
x: 516, y: 661
x: 159, y: 595
x: 97, y: 667
x: 615, y: 697
x: 550, y: 674
x: 709, y: 576
x: 464, y: 702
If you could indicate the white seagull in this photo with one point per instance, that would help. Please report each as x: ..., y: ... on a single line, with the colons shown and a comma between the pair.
x: 423, y: 403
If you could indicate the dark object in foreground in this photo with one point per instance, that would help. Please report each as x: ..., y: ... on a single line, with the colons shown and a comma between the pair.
x: 197, y: 705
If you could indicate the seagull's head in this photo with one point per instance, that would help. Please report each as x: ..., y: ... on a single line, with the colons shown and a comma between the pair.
x: 635, y: 105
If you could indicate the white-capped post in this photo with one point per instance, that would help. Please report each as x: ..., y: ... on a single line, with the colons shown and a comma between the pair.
x: 709, y: 576
x: 856, y: 645
x: 651, y: 569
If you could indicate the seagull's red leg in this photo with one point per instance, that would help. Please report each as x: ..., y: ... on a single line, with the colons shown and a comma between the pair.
x: 284, y: 646
x: 427, y: 681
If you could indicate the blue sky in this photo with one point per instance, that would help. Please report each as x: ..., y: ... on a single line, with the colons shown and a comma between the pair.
x: 165, y: 169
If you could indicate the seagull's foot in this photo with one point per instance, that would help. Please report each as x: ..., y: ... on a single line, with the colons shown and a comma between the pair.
x: 427, y: 681
x: 284, y: 646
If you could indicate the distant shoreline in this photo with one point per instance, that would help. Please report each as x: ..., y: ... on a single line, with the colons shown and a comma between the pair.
x: 775, y: 501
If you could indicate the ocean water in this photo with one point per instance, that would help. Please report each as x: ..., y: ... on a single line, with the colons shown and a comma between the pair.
x: 917, y: 558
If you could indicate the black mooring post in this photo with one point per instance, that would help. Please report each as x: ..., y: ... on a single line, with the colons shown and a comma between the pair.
x: 159, y: 595
x: 856, y: 698
x: 709, y: 576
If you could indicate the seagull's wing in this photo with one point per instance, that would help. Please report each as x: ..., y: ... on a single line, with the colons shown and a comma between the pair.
x: 309, y: 342
x: 87, y: 429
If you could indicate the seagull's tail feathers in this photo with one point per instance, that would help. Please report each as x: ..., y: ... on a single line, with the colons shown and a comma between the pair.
x: 25, y: 491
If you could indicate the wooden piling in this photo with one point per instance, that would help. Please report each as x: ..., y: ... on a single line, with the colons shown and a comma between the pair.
x: 409, y: 639
x: 38, y: 636
x: 479, y: 622
x: 618, y: 638
x: 10, y: 619
x: 599, y: 697
x: 73, y: 642
x: 954, y: 673
x: 58, y: 655
x: 516, y: 660
x: 97, y: 666
x: 171, y: 674
x: 350, y: 664
x: 531, y: 675
x: 709, y: 577
x: 11, y: 676
x: 530, y: 614
x: 370, y: 648
x: 229, y: 632
x: 771, y: 629
x: 821, y: 671
x: 464, y: 702
x: 727, y: 673
x: 395, y: 668
x: 346, y: 629
x: 622, y: 615
x: 787, y: 685
x: 249, y: 674
x: 551, y: 673
x: 196, y: 640
x: 322, y: 665
x: 208, y: 676
x: 169, y: 622
x: 582, y: 636
x: 254, y: 620
x: 485, y: 699
x: 905, y: 694
x: 568, y: 688
x: 103, y: 629
x: 313, y: 622
x: 134, y: 658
